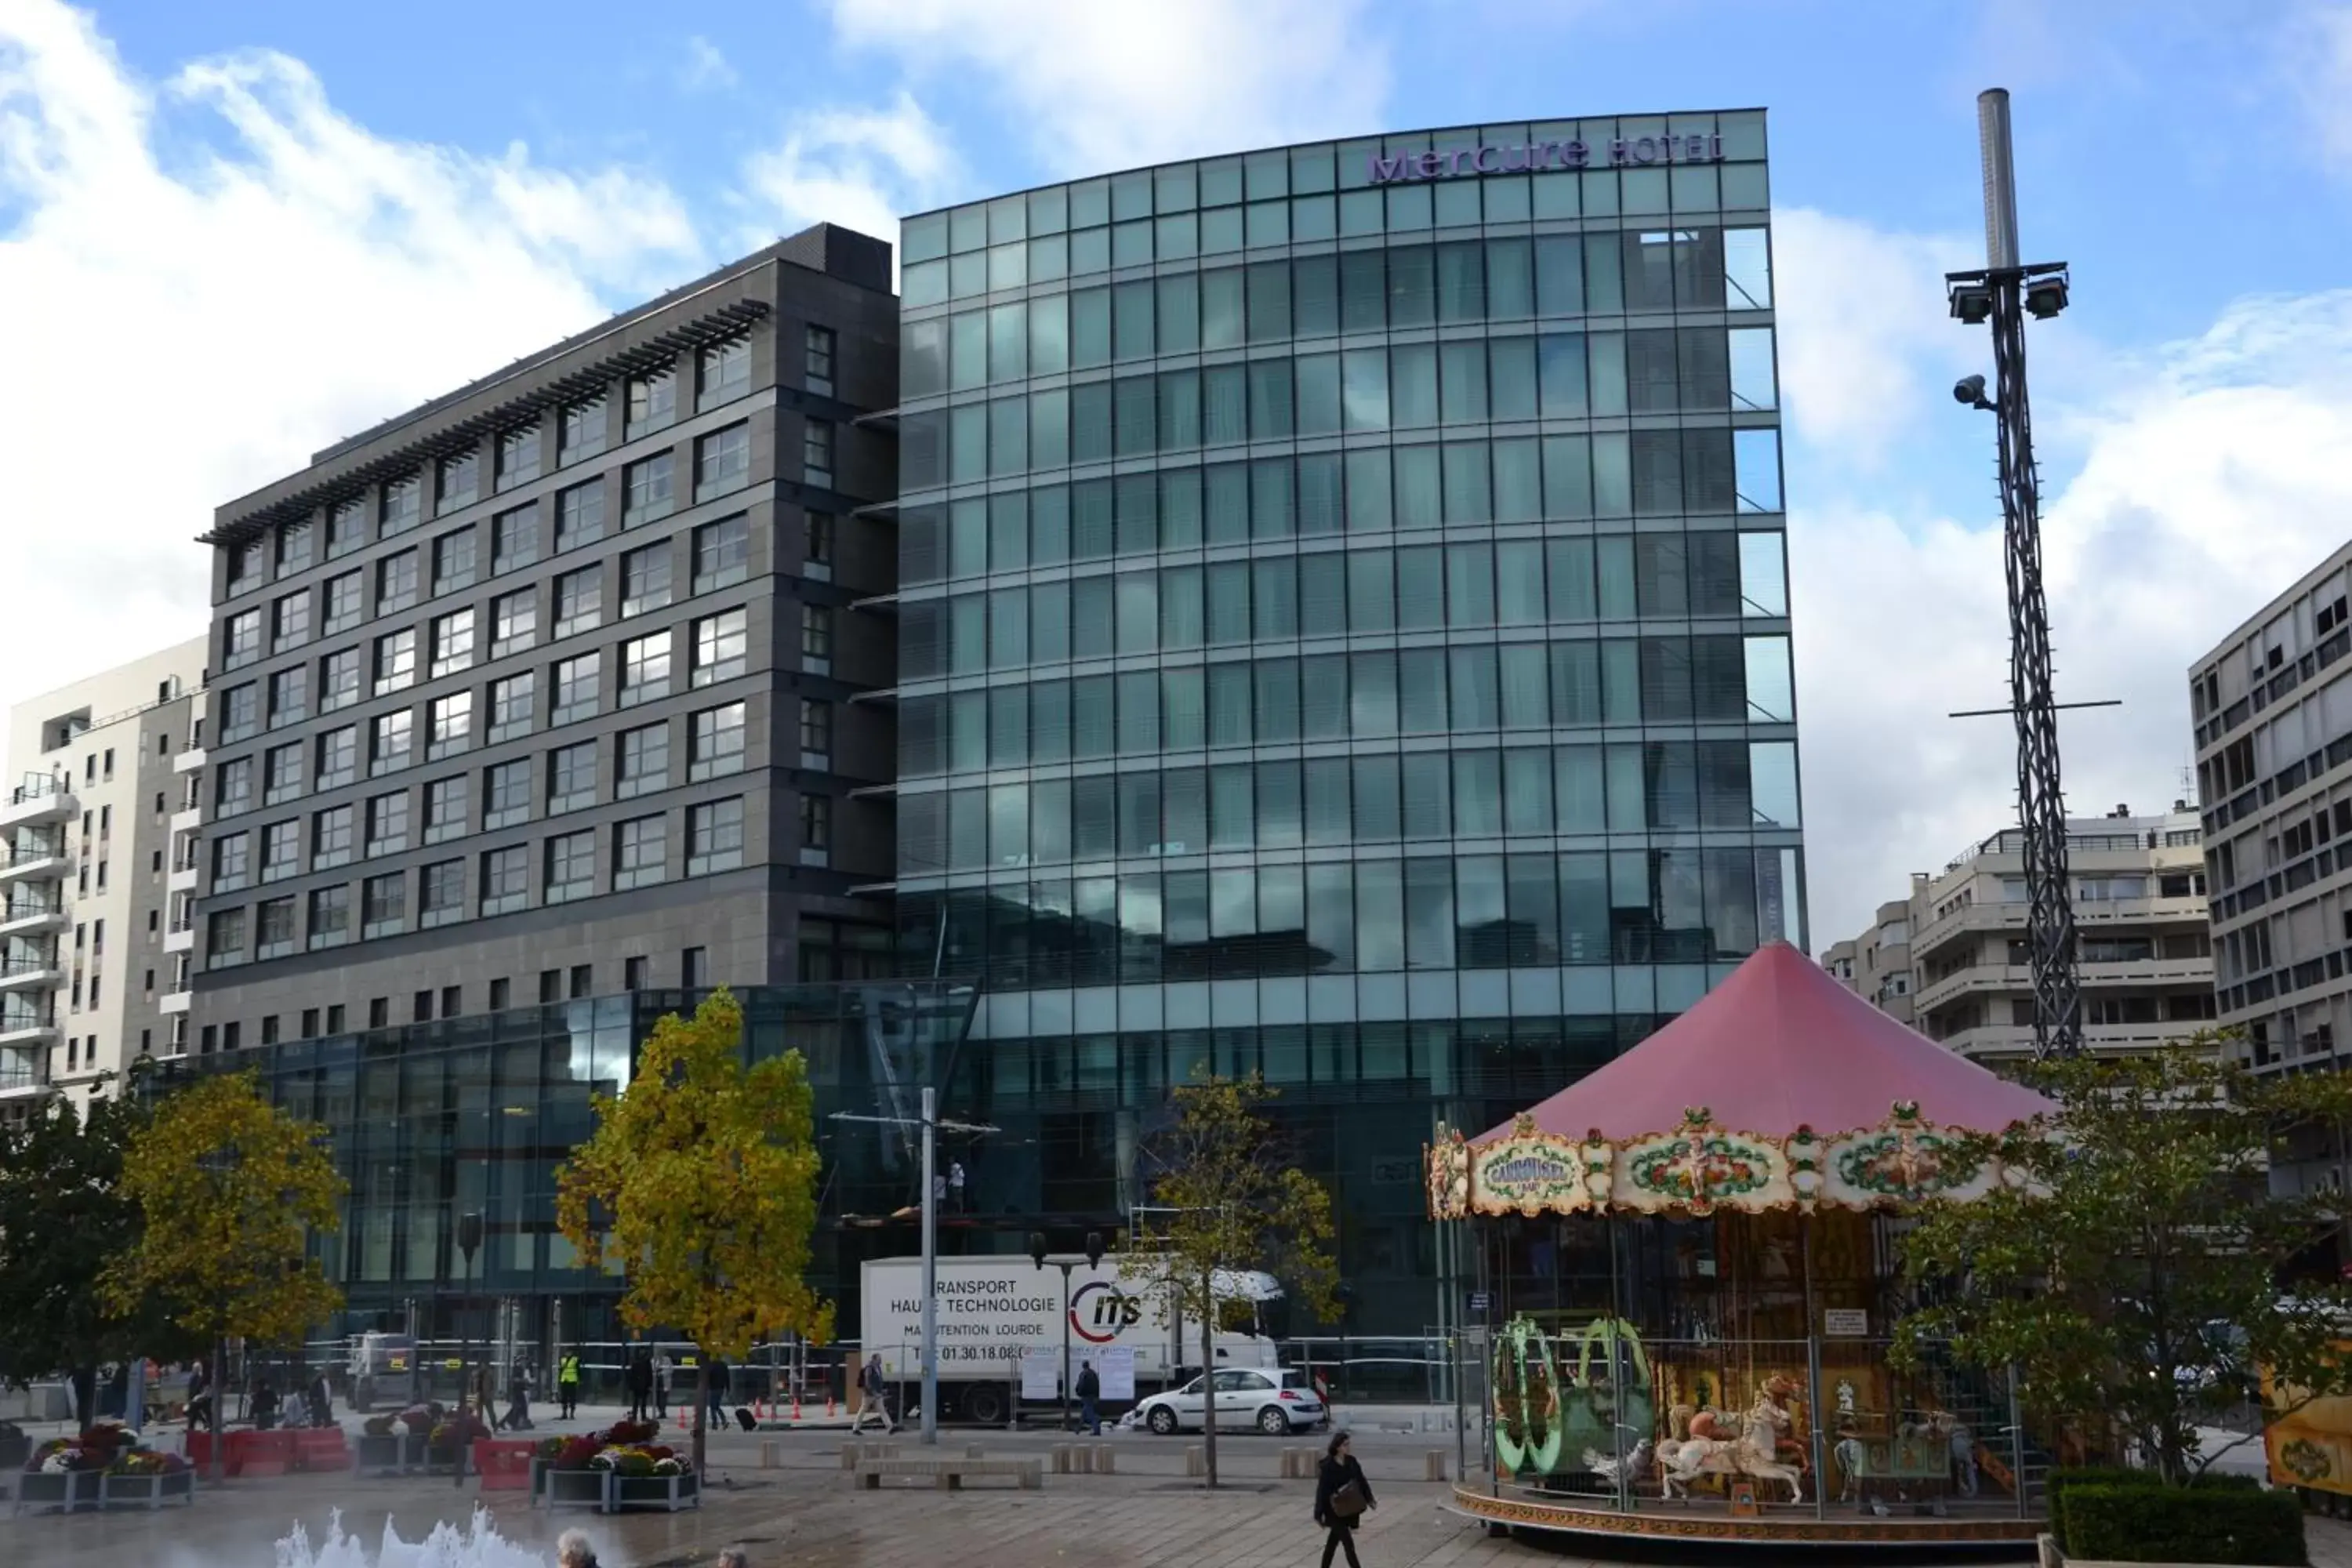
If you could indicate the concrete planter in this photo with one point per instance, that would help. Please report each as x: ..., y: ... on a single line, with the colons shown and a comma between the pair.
x: 146, y: 1491
x: 57, y: 1491
x: 654, y: 1494
x: 577, y: 1488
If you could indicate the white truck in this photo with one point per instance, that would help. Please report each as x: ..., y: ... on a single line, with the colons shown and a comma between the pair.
x: 991, y: 1309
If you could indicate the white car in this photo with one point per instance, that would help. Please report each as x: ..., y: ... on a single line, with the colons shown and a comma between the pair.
x: 1277, y: 1402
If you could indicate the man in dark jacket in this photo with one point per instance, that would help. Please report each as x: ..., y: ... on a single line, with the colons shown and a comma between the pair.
x: 1341, y: 1494
x: 1089, y: 1389
x: 639, y: 1381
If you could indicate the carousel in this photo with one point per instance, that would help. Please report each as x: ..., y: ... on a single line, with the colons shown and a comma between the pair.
x: 1687, y: 1274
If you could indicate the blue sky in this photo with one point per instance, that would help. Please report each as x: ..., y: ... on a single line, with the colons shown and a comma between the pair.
x: 304, y: 217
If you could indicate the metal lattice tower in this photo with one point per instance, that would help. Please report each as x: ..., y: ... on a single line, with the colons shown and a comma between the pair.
x: 2004, y: 294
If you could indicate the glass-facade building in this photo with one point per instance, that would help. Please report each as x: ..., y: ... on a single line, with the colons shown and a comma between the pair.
x: 1344, y: 636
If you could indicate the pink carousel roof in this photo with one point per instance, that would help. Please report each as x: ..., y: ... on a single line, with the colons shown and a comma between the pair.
x: 1778, y: 1045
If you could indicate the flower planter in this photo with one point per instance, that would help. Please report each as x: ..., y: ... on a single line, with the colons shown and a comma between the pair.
x: 442, y: 1458
x: 15, y: 1447
x: 392, y: 1454
x: 578, y: 1488
x: 150, y: 1490
x: 654, y: 1494
x: 59, y: 1491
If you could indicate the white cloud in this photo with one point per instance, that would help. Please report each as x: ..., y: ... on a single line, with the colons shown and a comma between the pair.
x: 1111, y: 85
x: 2316, y: 54
x: 190, y: 313
x: 863, y: 168
x: 706, y: 67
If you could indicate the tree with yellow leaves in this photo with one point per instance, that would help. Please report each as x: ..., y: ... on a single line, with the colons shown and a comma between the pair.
x: 229, y: 1189
x: 702, y: 1183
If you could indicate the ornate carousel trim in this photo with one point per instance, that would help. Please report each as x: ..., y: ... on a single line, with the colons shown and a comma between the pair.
x: 1702, y: 1166
x: 1667, y: 1523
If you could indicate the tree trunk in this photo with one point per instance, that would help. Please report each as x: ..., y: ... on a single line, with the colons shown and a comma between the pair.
x: 84, y: 1383
x: 701, y: 1407
x: 1209, y: 1376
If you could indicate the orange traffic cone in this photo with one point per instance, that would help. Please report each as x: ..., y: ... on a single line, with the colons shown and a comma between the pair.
x: 796, y: 1406
x: 828, y: 1404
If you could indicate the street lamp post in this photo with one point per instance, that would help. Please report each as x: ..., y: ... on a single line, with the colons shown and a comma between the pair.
x: 1065, y: 1261
x: 469, y: 1241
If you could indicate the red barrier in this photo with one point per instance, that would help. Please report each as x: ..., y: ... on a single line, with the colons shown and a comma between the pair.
x: 504, y: 1464
x: 321, y: 1448
x: 260, y: 1453
x: 199, y: 1448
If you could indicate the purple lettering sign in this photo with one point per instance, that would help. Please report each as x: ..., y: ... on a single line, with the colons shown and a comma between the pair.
x: 1635, y: 152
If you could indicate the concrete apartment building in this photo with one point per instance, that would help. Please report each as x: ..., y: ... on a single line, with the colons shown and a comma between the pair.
x: 89, y: 976
x: 547, y: 689
x: 1952, y: 959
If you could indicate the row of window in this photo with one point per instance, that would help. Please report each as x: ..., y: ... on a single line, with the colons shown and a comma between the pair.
x: 1667, y: 787
x: 1694, y: 195
x: 1340, y: 592
x: 1435, y: 912
x: 1406, y: 289
x: 723, y: 372
x: 1370, y: 696
x: 572, y: 778
x: 638, y: 854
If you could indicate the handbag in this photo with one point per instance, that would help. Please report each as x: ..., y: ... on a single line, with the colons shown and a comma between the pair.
x: 1347, y: 1501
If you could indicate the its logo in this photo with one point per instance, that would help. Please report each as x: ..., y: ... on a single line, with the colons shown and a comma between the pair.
x: 1100, y: 1311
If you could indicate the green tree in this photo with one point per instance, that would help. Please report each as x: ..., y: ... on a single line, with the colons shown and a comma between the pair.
x: 702, y: 1183
x: 1235, y: 1203
x: 2129, y: 1267
x: 229, y: 1189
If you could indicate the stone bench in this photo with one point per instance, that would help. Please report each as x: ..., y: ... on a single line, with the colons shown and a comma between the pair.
x: 949, y: 1474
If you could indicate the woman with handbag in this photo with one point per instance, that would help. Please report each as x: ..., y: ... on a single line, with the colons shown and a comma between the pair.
x: 1341, y: 1495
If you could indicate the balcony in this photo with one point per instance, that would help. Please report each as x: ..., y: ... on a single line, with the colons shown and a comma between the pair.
x: 23, y: 1076
x: 175, y: 1002
x: 183, y: 879
x: 25, y: 915
x: 187, y: 819
x: 190, y: 761
x: 38, y: 800
x: 28, y: 1028
x: 2015, y: 1042
x: 30, y: 975
x: 40, y: 864
x: 179, y: 939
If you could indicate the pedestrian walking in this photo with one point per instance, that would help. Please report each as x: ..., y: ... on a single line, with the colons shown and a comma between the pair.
x: 1341, y: 1496
x: 567, y: 1384
x: 870, y: 1386
x: 200, y: 1398
x: 639, y: 1381
x: 718, y: 1395
x: 518, y: 1415
x: 661, y: 1383
x: 955, y: 1186
x: 265, y: 1405
x: 321, y: 1400
x: 1089, y: 1390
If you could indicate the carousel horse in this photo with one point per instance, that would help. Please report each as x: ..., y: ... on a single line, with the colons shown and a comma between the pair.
x: 1637, y: 1462
x: 1754, y: 1452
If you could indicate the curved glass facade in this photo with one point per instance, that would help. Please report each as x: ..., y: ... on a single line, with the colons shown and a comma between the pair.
x: 1343, y: 636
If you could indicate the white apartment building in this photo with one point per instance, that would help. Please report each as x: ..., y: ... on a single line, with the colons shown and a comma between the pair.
x: 1952, y: 962
x: 96, y: 854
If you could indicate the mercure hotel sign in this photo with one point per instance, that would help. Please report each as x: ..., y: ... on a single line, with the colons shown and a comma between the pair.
x: 1628, y: 151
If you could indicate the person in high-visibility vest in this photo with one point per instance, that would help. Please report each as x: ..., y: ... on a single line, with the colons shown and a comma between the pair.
x: 567, y: 1384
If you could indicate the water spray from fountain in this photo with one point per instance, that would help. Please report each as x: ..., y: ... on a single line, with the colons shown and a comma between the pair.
x: 477, y: 1545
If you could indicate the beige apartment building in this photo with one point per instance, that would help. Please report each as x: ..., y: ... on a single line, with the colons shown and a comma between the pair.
x: 1951, y: 960
x: 96, y: 856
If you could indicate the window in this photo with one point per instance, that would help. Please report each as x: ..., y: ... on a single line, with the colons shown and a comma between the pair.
x: 445, y: 809
x: 550, y: 986
x: 331, y: 917
x: 723, y: 553
x: 645, y: 579
x: 816, y: 726
x: 281, y: 850
x: 816, y: 631
x: 395, y: 583
x: 640, y: 852
x: 289, y: 695
x: 457, y: 480
x: 645, y: 668
x: 454, y: 561
x: 650, y: 489
x: 453, y: 725
x: 499, y: 992
x: 571, y: 866
x: 724, y: 371
x: 643, y: 762
x: 653, y: 401
x: 345, y: 602
x: 722, y: 462
x: 720, y: 643
x: 346, y: 527
x: 816, y: 822
x: 514, y: 622
x: 383, y: 905
x: 273, y: 934
x: 240, y: 712
x: 715, y: 743
x: 518, y: 456
x: 289, y: 622
x: 232, y: 861
x: 387, y: 824
x: 816, y: 538
x: 505, y: 878
x: 441, y: 893
x: 817, y: 452
x: 694, y: 968
x: 512, y: 702
x: 506, y: 795
x: 379, y: 1011
x: 581, y: 432
x: 575, y: 690
x: 571, y: 777
x: 579, y: 516
x: 817, y: 352
x: 581, y: 980
x: 224, y: 938
x: 633, y: 974
x: 514, y: 538
x: 395, y: 660
x: 339, y: 680
x: 403, y: 506
x: 241, y: 639
x: 391, y: 742
x: 295, y: 544
x: 332, y: 837
x: 714, y: 836
x: 453, y: 642
x: 579, y: 601
x: 281, y: 773
x: 244, y: 565
x: 334, y: 1017
x: 339, y: 757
